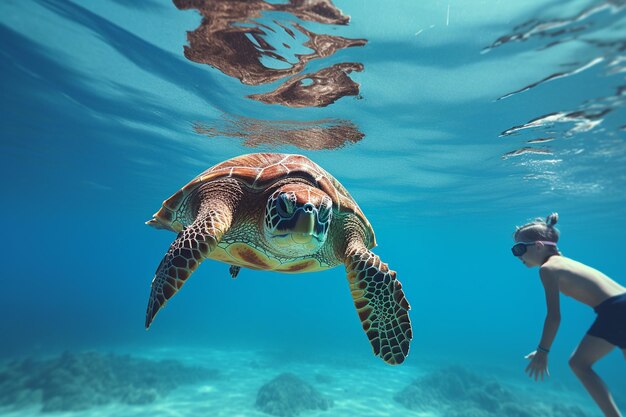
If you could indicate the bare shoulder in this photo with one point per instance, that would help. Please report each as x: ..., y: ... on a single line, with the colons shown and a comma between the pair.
x: 554, y: 267
x: 554, y: 264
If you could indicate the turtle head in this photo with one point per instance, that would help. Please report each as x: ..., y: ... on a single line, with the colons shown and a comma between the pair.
x: 297, y: 219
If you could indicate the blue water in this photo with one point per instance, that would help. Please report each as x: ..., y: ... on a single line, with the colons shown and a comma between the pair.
x: 103, y: 116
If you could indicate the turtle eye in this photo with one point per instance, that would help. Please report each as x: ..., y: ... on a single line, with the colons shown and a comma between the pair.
x: 325, y: 210
x: 285, y: 205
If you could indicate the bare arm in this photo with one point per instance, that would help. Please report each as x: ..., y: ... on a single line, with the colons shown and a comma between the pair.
x: 553, y: 317
x: 539, y: 359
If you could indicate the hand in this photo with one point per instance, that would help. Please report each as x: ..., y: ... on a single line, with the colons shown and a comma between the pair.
x: 538, y: 365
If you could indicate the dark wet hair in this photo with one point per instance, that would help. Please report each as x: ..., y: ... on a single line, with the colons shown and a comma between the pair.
x: 539, y: 229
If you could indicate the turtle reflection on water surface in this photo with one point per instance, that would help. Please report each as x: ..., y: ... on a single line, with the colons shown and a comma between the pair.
x: 283, y: 213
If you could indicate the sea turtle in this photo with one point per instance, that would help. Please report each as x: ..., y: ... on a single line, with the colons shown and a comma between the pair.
x: 283, y: 213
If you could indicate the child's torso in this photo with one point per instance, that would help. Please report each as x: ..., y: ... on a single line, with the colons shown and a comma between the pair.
x: 582, y: 282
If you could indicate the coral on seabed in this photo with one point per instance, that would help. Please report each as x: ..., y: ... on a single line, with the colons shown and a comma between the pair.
x: 458, y: 392
x: 287, y: 396
x: 78, y: 381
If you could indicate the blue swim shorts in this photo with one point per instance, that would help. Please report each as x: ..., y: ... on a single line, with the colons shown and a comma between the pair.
x: 610, y: 324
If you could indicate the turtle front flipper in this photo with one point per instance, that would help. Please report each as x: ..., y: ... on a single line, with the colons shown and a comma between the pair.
x: 380, y: 303
x: 192, y: 246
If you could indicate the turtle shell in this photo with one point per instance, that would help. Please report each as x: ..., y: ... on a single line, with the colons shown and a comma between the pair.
x: 258, y: 171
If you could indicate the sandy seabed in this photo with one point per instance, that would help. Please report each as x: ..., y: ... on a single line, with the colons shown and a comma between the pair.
x: 225, y: 383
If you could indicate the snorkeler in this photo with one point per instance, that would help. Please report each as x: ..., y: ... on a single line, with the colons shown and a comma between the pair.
x: 536, y: 245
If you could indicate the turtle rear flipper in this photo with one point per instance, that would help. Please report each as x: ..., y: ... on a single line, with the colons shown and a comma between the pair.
x: 234, y: 271
x: 381, y: 305
x: 192, y: 246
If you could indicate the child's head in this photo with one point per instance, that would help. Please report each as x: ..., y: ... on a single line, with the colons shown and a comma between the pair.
x: 536, y: 241
x: 538, y: 229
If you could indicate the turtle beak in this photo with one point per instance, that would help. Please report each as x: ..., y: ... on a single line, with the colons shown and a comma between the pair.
x: 305, y: 225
